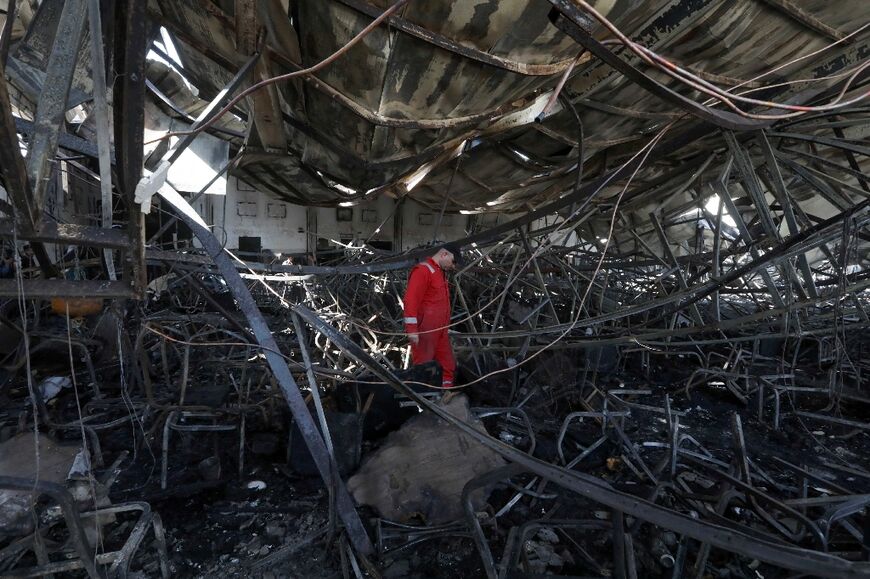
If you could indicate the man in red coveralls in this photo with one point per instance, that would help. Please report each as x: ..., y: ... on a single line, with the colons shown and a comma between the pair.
x: 427, y: 313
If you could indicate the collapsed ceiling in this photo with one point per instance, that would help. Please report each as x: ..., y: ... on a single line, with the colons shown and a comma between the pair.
x: 441, y: 105
x: 670, y: 199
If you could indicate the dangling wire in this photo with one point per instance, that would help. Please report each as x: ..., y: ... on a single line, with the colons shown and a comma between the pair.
x: 22, y: 311
x: 447, y: 194
x: 98, y: 545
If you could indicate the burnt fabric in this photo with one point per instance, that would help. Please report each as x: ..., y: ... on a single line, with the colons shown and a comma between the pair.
x: 427, y: 314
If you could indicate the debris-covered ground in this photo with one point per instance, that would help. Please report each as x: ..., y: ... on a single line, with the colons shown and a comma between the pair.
x: 658, y: 216
x: 618, y: 461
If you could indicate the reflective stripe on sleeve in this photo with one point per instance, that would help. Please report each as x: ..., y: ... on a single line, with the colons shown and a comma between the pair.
x: 410, y: 320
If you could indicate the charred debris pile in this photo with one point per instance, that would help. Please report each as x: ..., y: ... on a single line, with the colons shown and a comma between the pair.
x: 660, y: 321
x: 597, y: 430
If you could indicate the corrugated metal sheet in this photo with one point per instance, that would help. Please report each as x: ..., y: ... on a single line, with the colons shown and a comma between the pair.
x: 447, y: 73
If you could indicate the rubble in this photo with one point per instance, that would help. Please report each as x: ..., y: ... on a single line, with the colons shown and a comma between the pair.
x: 420, y: 470
x: 24, y: 457
x: 660, y: 321
x: 645, y: 464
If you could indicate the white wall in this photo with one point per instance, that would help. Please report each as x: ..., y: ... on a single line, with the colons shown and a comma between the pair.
x: 366, y: 223
x: 415, y: 230
x: 284, y: 228
x: 245, y: 212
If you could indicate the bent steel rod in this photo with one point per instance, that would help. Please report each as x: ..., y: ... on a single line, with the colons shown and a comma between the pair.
x: 313, y: 439
x: 782, y: 555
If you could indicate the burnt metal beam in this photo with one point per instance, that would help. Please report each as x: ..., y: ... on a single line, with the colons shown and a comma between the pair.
x: 730, y: 539
x: 278, y: 364
x: 66, y: 288
x: 717, y: 242
x: 681, y: 278
x: 65, y: 140
x: 15, y: 179
x: 853, y: 163
x: 803, y: 17
x: 172, y: 220
x: 182, y: 113
x: 130, y: 46
x: 54, y: 232
x: 213, y: 107
x: 790, y: 245
x: 12, y: 167
x: 51, y: 106
x: 780, y: 191
x: 722, y: 190
x: 816, y: 235
x: 6, y: 34
x: 568, y: 18
x: 752, y: 186
x: 842, y: 144
x: 314, y: 388
x: 101, y: 117
x: 537, y: 270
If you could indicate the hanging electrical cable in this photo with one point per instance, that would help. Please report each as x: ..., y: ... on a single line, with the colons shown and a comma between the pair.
x: 570, y: 10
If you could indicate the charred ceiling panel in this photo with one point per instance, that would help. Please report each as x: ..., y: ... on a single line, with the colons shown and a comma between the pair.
x: 286, y: 178
x: 396, y: 77
x: 398, y: 104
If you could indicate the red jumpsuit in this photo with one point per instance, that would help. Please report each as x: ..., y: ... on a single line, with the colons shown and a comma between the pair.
x: 427, y: 308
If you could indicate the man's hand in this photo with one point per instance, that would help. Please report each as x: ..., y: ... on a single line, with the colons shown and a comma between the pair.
x: 414, y: 338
